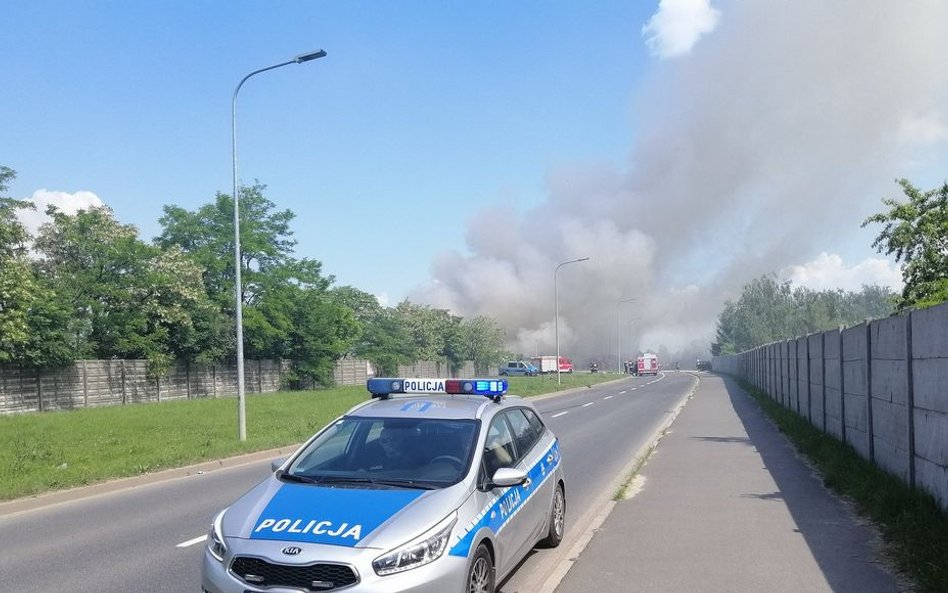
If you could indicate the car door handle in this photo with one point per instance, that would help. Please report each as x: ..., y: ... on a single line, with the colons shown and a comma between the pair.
x: 527, y: 482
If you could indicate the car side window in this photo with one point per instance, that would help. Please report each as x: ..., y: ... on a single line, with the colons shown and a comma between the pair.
x: 523, y: 433
x: 498, y: 448
x: 535, y: 423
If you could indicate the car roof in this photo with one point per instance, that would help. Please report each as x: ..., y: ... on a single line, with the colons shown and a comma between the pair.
x: 452, y: 407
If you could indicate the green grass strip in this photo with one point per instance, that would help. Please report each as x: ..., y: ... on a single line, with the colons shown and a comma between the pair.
x: 912, y: 524
x: 40, y: 452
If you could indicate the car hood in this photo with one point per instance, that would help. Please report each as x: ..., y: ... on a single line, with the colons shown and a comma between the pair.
x: 339, y: 516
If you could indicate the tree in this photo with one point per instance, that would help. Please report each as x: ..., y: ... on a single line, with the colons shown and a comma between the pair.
x: 288, y: 311
x: 482, y: 341
x: 916, y: 231
x: 126, y: 298
x: 13, y: 235
x: 31, y: 322
x: 435, y: 333
x: 386, y: 342
x: 768, y: 311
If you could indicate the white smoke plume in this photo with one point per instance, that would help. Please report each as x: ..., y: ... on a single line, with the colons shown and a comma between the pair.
x: 764, y: 146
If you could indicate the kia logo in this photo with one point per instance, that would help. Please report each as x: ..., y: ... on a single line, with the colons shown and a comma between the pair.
x: 292, y: 550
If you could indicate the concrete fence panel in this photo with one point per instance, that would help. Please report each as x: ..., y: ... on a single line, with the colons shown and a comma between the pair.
x: 816, y: 381
x: 855, y: 409
x: 930, y: 398
x: 889, y: 395
x: 831, y: 365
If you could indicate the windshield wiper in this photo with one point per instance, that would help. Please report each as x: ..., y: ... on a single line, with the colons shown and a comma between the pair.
x: 296, y: 478
x: 406, y: 484
x: 381, y: 482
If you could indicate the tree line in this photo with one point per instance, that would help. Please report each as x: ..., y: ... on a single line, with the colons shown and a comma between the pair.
x: 915, y: 231
x: 88, y: 287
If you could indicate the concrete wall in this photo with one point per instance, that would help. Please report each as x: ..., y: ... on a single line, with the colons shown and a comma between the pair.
x: 93, y: 383
x: 882, y: 387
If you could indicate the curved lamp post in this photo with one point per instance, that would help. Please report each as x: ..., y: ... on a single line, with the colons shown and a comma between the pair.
x: 556, y: 306
x: 238, y: 296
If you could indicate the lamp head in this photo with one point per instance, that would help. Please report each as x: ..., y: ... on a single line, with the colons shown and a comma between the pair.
x: 310, y: 56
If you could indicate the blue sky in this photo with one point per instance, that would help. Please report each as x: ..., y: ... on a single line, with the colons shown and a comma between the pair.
x: 454, y: 152
x: 421, y: 113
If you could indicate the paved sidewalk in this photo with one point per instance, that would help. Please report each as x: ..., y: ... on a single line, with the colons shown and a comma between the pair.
x: 727, y: 506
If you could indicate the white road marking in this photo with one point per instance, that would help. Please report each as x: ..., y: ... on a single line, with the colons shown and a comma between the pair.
x: 191, y: 542
x: 621, y: 392
x: 558, y: 415
x: 587, y: 405
x: 609, y: 396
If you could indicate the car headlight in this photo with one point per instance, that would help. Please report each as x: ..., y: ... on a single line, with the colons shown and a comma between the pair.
x: 422, y: 550
x: 215, y: 538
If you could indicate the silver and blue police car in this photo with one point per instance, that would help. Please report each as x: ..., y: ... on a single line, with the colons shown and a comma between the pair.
x: 432, y: 486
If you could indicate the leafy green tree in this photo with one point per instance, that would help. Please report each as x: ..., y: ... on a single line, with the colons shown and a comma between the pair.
x: 31, y: 322
x: 126, y: 298
x: 482, y: 341
x: 435, y: 333
x: 13, y: 235
x: 386, y: 342
x: 288, y: 311
x: 266, y: 245
x: 768, y: 311
x: 916, y: 231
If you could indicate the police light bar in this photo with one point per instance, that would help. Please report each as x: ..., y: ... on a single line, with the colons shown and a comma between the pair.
x: 492, y: 388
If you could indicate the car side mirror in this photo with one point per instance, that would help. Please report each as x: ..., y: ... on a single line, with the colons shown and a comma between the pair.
x: 508, y: 476
x: 276, y: 463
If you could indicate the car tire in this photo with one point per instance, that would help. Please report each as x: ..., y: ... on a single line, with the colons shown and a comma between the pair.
x: 557, y: 519
x: 503, y: 373
x: 480, y: 573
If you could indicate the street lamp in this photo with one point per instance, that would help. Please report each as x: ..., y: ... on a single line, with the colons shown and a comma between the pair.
x: 556, y: 306
x: 238, y: 296
x: 618, y: 341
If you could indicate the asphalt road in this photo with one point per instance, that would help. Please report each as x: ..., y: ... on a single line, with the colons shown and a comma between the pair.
x: 150, y: 538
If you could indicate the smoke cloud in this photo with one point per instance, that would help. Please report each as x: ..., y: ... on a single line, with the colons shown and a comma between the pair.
x: 764, y: 145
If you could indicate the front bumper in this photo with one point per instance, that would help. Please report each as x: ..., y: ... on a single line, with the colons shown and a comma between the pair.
x: 445, y: 575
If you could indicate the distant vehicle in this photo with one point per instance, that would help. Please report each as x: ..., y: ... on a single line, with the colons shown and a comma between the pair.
x: 647, y: 364
x: 594, y: 367
x: 547, y: 364
x: 703, y: 365
x: 514, y: 368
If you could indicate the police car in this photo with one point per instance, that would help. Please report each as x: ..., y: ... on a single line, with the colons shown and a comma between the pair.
x: 432, y: 486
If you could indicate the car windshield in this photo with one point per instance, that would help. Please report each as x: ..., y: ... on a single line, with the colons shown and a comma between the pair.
x: 388, y: 452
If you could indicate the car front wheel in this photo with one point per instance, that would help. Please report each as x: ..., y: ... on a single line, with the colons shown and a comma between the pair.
x: 480, y: 575
x: 557, y: 519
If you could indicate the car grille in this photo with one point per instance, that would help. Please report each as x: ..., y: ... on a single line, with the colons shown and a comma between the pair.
x: 311, y: 577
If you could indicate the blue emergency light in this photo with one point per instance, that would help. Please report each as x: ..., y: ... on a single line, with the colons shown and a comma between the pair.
x: 383, y: 388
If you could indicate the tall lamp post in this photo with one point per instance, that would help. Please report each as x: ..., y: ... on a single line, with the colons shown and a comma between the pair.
x: 238, y: 296
x: 618, y: 340
x: 556, y: 306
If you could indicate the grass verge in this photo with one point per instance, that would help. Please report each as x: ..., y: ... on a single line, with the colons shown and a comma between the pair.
x: 912, y: 524
x: 40, y: 452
